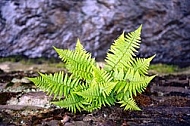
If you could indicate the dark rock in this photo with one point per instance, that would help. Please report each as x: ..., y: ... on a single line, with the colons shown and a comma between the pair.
x: 32, y: 27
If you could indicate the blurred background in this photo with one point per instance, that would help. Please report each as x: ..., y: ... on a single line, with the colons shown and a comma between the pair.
x: 30, y: 28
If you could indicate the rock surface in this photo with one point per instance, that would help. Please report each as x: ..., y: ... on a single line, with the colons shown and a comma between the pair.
x: 166, y: 102
x: 172, y: 108
x: 32, y: 27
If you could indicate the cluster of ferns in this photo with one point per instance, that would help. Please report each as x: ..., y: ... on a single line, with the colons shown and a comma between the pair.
x: 87, y: 87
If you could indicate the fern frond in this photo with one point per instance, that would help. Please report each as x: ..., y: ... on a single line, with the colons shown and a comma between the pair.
x: 132, y: 84
x: 78, y: 61
x: 119, y: 74
x: 119, y: 87
x: 136, y: 83
x: 106, y: 88
x: 79, y: 48
x: 100, y: 75
x: 39, y: 82
x: 129, y: 104
x: 98, y: 102
x: 141, y: 65
x: 92, y: 97
x: 57, y: 84
x: 98, y: 94
x: 72, y: 103
x: 121, y: 52
x: 91, y: 106
x: 90, y: 93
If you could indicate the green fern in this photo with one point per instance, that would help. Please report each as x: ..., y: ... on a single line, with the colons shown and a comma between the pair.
x: 122, y: 51
x: 72, y: 103
x: 89, y: 87
x: 78, y: 62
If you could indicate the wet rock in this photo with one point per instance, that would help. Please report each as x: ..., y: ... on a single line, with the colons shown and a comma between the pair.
x: 38, y: 99
x: 2, y: 86
x: 5, y: 67
x: 171, y: 86
x: 23, y: 80
x: 5, y: 96
x: 51, y: 123
x: 65, y: 119
x: 19, y: 87
x: 11, y: 108
x: 76, y: 123
x: 31, y: 28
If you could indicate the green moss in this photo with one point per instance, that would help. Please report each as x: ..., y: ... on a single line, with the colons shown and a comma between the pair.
x: 10, y: 58
x: 163, y: 68
x: 57, y: 65
x: 28, y: 61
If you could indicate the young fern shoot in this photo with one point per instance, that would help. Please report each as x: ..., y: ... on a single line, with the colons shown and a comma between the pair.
x: 89, y: 87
